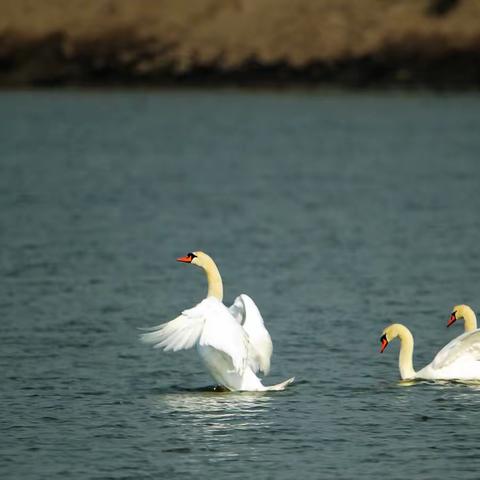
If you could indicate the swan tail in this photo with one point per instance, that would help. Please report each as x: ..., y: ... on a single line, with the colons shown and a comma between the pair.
x: 280, y: 386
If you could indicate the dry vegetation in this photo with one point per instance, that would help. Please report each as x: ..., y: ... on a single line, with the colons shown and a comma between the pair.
x: 353, y: 42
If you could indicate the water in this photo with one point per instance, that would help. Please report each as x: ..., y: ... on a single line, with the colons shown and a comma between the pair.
x: 337, y: 213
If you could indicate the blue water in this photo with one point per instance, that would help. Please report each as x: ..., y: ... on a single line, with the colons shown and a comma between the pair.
x: 338, y: 213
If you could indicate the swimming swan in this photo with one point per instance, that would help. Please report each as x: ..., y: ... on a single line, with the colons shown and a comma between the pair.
x: 232, y: 342
x: 458, y: 360
x: 465, y: 312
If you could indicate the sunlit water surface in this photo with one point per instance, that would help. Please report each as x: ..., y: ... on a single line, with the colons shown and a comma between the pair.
x: 337, y: 213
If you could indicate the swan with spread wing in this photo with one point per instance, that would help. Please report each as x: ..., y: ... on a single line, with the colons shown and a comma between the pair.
x: 232, y: 342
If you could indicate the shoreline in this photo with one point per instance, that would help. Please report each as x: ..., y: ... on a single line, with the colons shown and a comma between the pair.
x: 441, y: 74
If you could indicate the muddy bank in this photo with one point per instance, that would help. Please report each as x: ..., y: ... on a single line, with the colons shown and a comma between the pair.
x: 432, y: 43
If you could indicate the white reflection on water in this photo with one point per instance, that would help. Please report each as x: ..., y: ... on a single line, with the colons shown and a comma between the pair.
x: 472, y: 385
x: 217, y: 422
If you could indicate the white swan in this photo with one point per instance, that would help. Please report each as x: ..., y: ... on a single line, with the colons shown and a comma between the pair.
x: 458, y: 360
x: 465, y: 312
x: 233, y: 343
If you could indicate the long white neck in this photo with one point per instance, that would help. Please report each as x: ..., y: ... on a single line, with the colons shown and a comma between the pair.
x: 405, y: 359
x: 470, y: 320
x: 215, y: 285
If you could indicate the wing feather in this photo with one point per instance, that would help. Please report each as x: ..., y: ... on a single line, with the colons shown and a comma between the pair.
x: 208, y: 323
x: 260, y: 345
x: 465, y: 345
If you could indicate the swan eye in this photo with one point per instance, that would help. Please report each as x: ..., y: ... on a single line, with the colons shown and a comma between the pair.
x: 191, y: 255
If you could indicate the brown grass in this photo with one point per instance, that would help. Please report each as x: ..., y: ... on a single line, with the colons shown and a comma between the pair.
x: 150, y: 40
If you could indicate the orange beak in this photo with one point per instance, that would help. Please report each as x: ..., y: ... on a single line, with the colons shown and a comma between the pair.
x: 452, y: 320
x: 384, y: 344
x: 184, y: 259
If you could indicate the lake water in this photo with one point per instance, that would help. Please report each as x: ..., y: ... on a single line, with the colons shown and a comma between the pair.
x: 337, y: 212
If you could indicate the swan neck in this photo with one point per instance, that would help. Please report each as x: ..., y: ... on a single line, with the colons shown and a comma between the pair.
x: 470, y: 321
x: 215, y: 285
x: 405, y: 360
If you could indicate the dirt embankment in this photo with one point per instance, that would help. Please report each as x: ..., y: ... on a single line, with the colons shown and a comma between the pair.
x: 274, y: 42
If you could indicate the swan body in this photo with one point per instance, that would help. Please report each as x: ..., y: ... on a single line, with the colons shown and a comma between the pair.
x: 458, y: 360
x: 233, y: 343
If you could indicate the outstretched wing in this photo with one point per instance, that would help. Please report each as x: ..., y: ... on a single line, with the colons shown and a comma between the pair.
x: 260, y: 345
x: 208, y: 323
x: 466, y: 346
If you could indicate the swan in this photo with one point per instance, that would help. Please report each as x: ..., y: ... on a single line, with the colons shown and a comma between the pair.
x: 458, y: 360
x: 232, y: 342
x: 465, y: 312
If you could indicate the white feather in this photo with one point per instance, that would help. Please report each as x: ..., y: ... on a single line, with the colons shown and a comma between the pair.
x: 462, y: 355
x: 207, y: 324
x: 260, y: 345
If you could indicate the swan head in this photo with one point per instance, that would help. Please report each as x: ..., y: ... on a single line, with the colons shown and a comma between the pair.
x: 459, y: 312
x: 195, y: 258
x: 188, y: 258
x: 388, y: 334
x: 200, y: 259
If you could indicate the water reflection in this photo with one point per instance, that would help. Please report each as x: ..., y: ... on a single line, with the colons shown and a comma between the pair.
x: 221, y: 423
x: 200, y: 400
x: 472, y: 385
